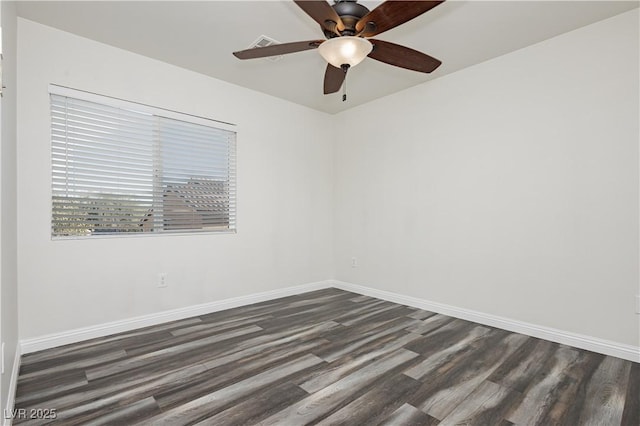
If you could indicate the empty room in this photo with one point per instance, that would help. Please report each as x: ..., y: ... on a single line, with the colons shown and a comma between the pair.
x: 308, y: 212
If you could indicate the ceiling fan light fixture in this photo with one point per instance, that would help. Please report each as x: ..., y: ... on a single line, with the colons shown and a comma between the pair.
x: 349, y: 50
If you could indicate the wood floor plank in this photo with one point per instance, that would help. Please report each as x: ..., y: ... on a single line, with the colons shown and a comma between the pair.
x: 524, y: 364
x: 125, y: 415
x: 307, y: 316
x: 338, y: 349
x: 208, y: 405
x: 486, y: 405
x: 219, y: 326
x: 421, y: 315
x: 409, y: 415
x: 270, y: 341
x: 205, y: 332
x: 41, y: 394
x: 171, y: 351
x: 435, y: 356
x: 326, y: 357
x: 360, y: 298
x: 84, y: 364
x: 27, y: 389
x: 90, y: 351
x: 544, y: 392
x: 217, y: 378
x: 439, y: 397
x: 446, y: 332
x: 606, y: 392
x: 94, y: 345
x: 571, y: 396
x: 342, y: 333
x: 93, y: 397
x: 430, y: 324
x: 324, y: 401
x: 344, y: 366
x: 631, y: 413
x: 400, y: 311
x: 256, y: 408
x: 354, y: 316
x: 375, y: 405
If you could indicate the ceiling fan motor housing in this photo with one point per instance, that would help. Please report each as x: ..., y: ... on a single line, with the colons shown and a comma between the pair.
x: 350, y: 13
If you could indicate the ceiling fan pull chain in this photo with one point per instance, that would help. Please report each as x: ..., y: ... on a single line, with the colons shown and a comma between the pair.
x: 344, y: 90
x: 345, y: 68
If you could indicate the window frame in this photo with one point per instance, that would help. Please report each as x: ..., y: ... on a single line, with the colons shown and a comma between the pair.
x: 110, y: 101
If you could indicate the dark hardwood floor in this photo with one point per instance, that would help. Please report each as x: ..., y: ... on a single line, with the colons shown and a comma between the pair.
x: 328, y: 357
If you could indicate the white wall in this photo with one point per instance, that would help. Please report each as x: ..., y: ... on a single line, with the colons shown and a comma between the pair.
x: 8, y: 242
x: 509, y: 188
x: 284, y: 195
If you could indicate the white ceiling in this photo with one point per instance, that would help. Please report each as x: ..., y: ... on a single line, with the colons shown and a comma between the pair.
x: 200, y: 36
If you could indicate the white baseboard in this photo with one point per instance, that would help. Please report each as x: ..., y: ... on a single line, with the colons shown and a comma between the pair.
x: 606, y: 347
x: 628, y: 352
x: 13, y: 385
x: 101, y: 330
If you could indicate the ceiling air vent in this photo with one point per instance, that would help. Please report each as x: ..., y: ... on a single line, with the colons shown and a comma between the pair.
x: 264, y: 41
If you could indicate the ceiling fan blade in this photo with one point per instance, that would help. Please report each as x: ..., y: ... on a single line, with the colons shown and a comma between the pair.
x: 277, y: 49
x: 322, y: 13
x: 333, y: 79
x: 403, y: 57
x: 390, y: 14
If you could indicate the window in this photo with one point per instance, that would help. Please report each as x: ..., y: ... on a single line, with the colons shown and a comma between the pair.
x: 123, y: 168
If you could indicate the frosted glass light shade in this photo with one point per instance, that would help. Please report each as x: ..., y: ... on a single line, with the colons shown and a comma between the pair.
x: 345, y: 50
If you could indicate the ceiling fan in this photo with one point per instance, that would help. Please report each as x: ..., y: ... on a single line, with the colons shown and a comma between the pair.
x: 347, y: 26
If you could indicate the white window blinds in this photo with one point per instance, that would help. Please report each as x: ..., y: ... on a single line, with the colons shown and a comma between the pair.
x: 121, y: 168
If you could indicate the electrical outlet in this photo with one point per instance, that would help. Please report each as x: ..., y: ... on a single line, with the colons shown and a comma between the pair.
x: 637, y: 303
x: 162, y: 280
x: 354, y: 262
